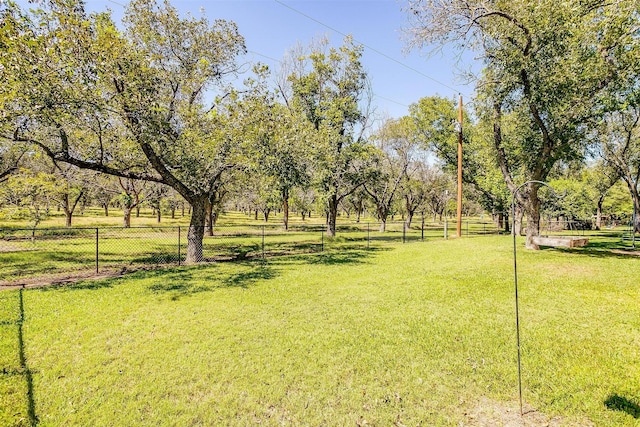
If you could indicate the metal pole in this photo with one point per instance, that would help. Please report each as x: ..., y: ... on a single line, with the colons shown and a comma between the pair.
x: 368, y: 236
x: 515, y: 280
x: 446, y: 226
x: 97, y: 251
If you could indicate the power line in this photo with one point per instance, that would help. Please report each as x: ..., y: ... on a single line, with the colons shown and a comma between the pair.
x: 384, y: 55
x: 390, y: 100
x: 115, y: 2
x: 280, y: 62
x: 375, y: 50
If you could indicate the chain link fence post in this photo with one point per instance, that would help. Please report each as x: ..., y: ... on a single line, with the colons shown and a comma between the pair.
x: 368, y: 236
x: 97, y: 250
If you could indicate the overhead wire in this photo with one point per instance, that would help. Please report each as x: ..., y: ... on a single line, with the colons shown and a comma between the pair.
x: 379, y: 52
x: 374, y: 94
x: 344, y: 35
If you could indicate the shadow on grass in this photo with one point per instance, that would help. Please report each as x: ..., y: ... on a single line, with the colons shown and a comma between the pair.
x: 599, y: 249
x: 206, y: 278
x: 622, y: 404
x: 344, y: 255
x: 24, y: 369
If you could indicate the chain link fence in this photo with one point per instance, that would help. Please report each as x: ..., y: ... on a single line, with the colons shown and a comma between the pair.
x: 28, y: 256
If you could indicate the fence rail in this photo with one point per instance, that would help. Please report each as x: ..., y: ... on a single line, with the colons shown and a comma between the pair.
x: 28, y: 255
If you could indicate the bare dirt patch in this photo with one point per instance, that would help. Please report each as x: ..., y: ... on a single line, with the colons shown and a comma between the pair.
x: 61, y: 279
x: 499, y: 414
x: 630, y: 253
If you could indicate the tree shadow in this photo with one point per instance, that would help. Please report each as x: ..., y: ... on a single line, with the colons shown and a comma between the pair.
x: 622, y: 404
x: 185, y: 282
x: 23, y: 370
x: 599, y: 249
x: 337, y: 256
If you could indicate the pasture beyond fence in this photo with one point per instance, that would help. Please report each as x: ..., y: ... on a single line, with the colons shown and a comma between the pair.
x: 30, y: 256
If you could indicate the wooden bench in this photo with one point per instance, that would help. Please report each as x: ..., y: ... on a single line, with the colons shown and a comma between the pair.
x: 561, y: 241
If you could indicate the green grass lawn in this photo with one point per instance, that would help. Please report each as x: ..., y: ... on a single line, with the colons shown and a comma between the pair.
x: 416, y: 334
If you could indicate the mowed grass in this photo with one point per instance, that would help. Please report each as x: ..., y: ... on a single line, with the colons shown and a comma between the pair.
x: 416, y: 334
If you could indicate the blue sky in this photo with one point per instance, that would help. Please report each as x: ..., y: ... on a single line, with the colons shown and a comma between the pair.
x: 271, y: 27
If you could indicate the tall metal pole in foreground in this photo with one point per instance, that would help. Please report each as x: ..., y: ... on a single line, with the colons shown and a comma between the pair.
x: 459, y: 223
x: 515, y: 278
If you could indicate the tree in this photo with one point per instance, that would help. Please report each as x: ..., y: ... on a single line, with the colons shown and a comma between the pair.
x: 77, y: 79
x: 330, y: 87
x: 280, y: 155
x: 396, y: 148
x: 439, y: 193
x: 418, y: 188
x: 546, y: 65
x: 10, y: 156
x: 601, y: 178
x: 130, y: 198
x: 434, y: 118
x: 72, y: 185
x: 28, y: 193
x: 619, y: 136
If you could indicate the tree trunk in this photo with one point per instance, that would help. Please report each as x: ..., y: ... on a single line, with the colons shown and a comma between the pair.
x: 285, y: 208
x: 409, y: 218
x: 383, y: 224
x: 195, y: 235
x: 158, y: 215
x: 265, y: 214
x: 636, y: 204
x: 173, y: 212
x: 517, y: 226
x: 332, y: 215
x: 127, y: 217
x: 68, y: 213
x: 506, y: 223
x: 208, y: 218
x: 106, y: 209
x: 137, y: 211
x: 599, y: 212
x: 532, y: 208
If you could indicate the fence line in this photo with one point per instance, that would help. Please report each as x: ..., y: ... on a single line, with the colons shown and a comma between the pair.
x: 28, y: 254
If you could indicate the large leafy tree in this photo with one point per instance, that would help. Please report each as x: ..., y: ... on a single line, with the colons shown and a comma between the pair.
x: 546, y: 65
x: 393, y: 164
x: 619, y: 137
x: 434, y: 120
x: 136, y: 104
x: 280, y: 154
x: 330, y: 87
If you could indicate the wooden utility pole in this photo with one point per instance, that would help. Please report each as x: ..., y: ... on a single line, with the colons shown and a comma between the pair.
x: 459, y: 223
